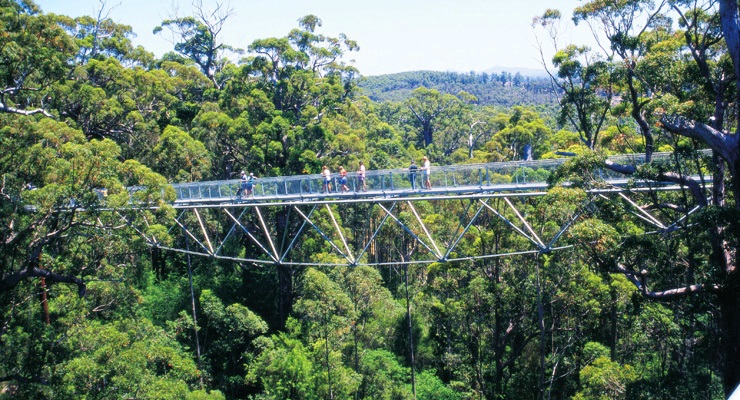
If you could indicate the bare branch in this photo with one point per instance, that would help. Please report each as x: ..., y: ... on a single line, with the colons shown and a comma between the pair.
x: 639, y: 280
x: 22, y: 379
x: 621, y: 168
x: 693, y: 185
x: 13, y: 110
x: 12, y: 280
x: 667, y: 206
x: 724, y: 144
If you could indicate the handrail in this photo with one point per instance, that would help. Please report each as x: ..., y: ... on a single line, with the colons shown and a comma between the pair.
x: 483, y: 175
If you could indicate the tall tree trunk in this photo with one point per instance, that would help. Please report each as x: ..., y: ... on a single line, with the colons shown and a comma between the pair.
x: 328, y: 353
x: 285, y: 294
x: 730, y: 324
x: 192, y: 304
x: 543, y: 337
x: 411, y: 329
x: 498, y: 325
x: 427, y: 133
x: 613, y: 324
x: 285, y: 273
x: 645, y: 129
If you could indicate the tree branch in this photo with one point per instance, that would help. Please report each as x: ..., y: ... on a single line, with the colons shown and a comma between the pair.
x: 725, y: 145
x: 667, y: 206
x: 622, y: 169
x: 11, y: 281
x: 693, y: 185
x: 14, y: 110
x: 23, y: 379
x: 639, y: 280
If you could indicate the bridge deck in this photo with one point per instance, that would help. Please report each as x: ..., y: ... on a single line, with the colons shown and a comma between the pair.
x: 510, y: 177
x: 310, y: 214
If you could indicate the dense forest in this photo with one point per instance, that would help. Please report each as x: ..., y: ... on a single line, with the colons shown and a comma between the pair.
x: 503, y: 89
x: 628, y: 310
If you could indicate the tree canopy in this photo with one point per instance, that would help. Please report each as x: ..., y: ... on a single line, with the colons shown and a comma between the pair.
x: 94, y: 131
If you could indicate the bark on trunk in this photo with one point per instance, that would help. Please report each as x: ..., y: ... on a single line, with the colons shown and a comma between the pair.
x: 730, y: 323
x: 285, y: 294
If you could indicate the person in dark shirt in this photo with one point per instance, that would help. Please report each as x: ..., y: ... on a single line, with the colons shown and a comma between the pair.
x: 412, y: 174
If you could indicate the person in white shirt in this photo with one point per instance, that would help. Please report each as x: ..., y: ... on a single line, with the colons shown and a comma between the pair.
x: 250, y: 184
x: 361, y: 177
x: 327, y: 179
x: 427, y: 168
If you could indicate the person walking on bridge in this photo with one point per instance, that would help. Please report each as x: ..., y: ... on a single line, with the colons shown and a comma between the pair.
x: 241, y: 193
x: 413, y: 168
x: 427, y: 168
x: 250, y: 184
x: 361, y: 177
x: 343, y: 179
x: 327, y: 179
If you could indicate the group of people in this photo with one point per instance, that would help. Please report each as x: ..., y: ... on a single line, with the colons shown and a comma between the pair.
x: 426, y: 168
x: 247, y: 181
x: 343, y: 179
x: 247, y: 185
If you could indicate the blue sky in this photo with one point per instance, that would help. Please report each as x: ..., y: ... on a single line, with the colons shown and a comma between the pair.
x: 393, y: 35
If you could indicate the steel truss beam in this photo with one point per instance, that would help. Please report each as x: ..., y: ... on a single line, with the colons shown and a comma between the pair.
x: 249, y: 225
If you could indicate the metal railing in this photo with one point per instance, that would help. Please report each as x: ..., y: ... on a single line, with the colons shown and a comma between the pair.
x: 489, y: 176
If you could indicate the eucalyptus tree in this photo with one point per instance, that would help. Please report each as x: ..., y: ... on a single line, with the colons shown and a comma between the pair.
x: 198, y: 38
x: 325, y: 312
x: 36, y: 53
x: 517, y: 135
x: 58, y: 226
x: 303, y: 73
x: 429, y: 110
x: 585, y: 81
x: 635, y: 31
x: 180, y: 158
x: 231, y: 338
x: 695, y: 108
x: 131, y: 106
x: 99, y: 35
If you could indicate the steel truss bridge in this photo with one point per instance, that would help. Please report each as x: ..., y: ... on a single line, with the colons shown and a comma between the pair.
x: 254, y: 233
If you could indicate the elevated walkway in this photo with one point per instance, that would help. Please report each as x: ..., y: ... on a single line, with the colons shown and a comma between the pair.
x: 287, y: 212
x: 516, y: 178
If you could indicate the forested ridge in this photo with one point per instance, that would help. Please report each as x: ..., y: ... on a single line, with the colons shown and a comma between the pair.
x: 629, y: 309
x: 503, y: 89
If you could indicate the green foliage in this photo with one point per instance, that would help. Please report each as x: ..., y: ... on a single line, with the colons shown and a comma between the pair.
x: 285, y: 370
x: 383, y: 377
x: 582, y: 171
x: 497, y: 89
x: 586, y: 83
x: 123, y: 358
x: 559, y: 325
x: 231, y: 337
x: 181, y: 158
x: 35, y: 54
x: 430, y: 387
x: 603, y: 378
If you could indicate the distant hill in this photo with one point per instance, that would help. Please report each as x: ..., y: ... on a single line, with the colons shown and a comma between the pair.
x: 504, y: 88
x: 531, y: 72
